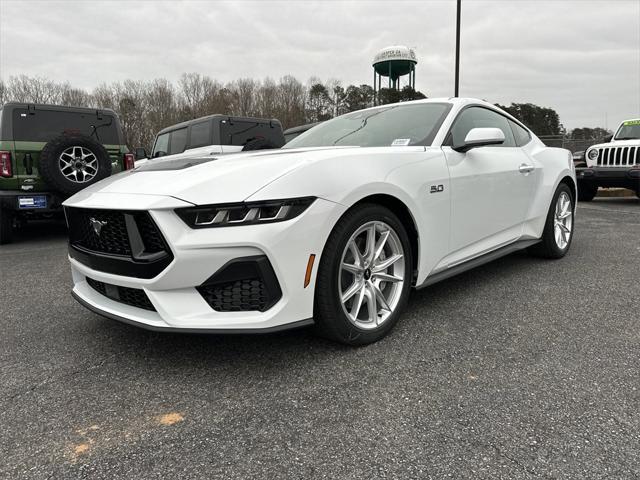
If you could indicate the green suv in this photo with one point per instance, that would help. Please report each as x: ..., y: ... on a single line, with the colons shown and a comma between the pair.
x: 48, y: 153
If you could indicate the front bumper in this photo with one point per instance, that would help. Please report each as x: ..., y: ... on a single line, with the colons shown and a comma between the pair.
x: 199, y: 254
x: 621, y: 177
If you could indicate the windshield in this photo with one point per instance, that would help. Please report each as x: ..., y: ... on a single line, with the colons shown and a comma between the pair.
x: 397, y: 125
x: 629, y: 130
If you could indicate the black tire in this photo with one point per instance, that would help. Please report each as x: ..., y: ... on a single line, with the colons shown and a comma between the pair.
x: 259, y: 144
x: 6, y: 226
x: 548, y: 248
x: 49, y: 167
x: 586, y: 191
x: 330, y: 318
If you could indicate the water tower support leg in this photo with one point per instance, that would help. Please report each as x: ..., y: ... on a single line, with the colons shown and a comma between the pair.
x: 374, y: 86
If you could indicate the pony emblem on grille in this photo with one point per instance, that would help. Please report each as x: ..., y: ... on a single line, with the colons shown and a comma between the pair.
x: 97, y: 225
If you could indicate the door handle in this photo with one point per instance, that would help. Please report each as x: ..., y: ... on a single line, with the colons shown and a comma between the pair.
x: 524, y: 168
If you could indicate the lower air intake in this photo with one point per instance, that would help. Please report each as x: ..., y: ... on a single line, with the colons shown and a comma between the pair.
x: 129, y: 296
x: 242, y: 285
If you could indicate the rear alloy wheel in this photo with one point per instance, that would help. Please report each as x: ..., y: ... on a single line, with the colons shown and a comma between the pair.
x: 563, y: 221
x: 364, y: 276
x: 558, y: 230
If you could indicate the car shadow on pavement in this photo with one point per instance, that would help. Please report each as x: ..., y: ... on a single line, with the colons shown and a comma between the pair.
x: 426, y: 311
x: 612, y: 201
x: 36, y: 231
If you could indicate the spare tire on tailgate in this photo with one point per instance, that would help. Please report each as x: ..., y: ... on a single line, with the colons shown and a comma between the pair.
x: 70, y: 163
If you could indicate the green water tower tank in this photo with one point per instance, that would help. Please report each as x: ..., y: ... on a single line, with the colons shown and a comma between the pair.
x: 394, y: 62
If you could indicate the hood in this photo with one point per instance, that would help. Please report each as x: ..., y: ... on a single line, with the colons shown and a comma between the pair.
x: 632, y: 142
x: 200, y: 180
x: 617, y: 143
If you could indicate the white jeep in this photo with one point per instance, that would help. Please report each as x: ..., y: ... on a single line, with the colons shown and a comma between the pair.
x: 612, y: 164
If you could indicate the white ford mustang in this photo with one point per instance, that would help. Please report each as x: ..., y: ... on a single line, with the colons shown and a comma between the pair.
x: 333, y: 230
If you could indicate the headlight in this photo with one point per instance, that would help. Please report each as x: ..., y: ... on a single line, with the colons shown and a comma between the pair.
x: 246, y: 213
x: 593, y: 154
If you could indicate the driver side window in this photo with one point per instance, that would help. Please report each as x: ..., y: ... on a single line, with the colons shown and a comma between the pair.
x: 161, y: 147
x: 478, y: 117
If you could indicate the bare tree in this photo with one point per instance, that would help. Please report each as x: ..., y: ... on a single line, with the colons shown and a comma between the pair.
x: 74, y: 97
x: 243, y: 96
x: 266, y: 97
x: 291, y: 98
x: 4, y: 94
x: 145, y: 108
x: 34, y: 90
x: 318, y: 103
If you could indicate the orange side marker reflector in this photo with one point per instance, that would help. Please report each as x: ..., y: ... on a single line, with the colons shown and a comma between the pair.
x: 307, y: 276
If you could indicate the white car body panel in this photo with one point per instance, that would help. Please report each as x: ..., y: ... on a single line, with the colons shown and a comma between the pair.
x: 487, y: 180
x: 482, y: 201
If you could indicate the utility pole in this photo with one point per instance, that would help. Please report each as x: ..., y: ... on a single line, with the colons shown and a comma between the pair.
x: 457, y: 88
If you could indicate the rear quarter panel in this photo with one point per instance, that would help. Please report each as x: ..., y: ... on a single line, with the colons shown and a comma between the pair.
x: 552, y: 165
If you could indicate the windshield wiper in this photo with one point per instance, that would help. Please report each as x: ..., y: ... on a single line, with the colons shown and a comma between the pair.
x: 628, y: 138
x: 95, y: 128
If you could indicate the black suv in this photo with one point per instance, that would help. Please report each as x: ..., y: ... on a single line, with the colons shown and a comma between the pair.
x: 216, y: 134
x: 48, y: 153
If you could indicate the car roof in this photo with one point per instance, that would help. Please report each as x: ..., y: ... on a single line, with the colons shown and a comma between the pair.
x: 459, y: 103
x: 456, y: 101
x: 218, y: 116
x: 62, y: 108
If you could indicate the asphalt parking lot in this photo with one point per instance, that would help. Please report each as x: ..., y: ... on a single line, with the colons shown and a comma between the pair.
x: 522, y: 368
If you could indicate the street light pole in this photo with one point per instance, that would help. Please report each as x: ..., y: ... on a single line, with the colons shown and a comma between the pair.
x: 457, y: 87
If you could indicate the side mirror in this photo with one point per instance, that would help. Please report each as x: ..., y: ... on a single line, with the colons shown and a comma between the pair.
x: 608, y: 138
x: 141, y: 153
x: 481, y: 137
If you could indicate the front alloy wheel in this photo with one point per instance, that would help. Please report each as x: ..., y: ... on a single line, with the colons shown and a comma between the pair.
x: 364, y: 276
x: 371, y: 275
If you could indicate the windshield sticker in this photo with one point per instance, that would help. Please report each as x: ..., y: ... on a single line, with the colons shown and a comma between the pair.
x: 401, y: 142
x: 631, y: 122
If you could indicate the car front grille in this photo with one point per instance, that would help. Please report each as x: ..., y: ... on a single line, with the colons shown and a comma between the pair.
x: 134, y: 297
x: 113, y: 236
x: 619, y: 156
x: 122, y: 242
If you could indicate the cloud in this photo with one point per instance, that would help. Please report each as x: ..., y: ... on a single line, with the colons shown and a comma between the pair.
x: 580, y: 57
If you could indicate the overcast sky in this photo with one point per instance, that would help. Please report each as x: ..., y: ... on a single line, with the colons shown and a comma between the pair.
x: 581, y: 57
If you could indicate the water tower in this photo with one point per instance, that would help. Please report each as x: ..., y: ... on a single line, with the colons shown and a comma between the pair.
x: 394, y: 62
